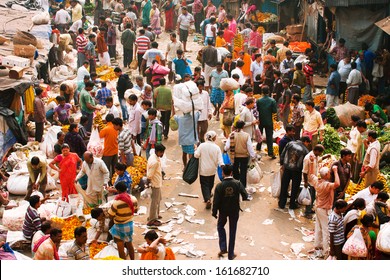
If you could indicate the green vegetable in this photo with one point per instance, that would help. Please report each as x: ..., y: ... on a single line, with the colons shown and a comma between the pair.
x: 332, y: 118
x: 331, y: 141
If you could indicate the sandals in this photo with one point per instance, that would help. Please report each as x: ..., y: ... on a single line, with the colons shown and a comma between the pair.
x: 155, y: 223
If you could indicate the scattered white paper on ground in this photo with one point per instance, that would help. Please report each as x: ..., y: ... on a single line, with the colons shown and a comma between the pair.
x: 247, y: 210
x: 200, y: 232
x: 189, y: 195
x: 167, y: 228
x: 269, y: 189
x: 189, y: 210
x: 168, y: 205
x: 205, y: 237
x: 180, y: 220
x: 292, y: 213
x: 296, y: 248
x: 194, y: 221
x: 142, y: 210
x: 268, y: 222
x: 262, y: 189
x: 243, y: 255
x: 284, y: 243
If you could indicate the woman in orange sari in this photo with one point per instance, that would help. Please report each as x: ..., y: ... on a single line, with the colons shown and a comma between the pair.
x: 228, y: 104
x: 66, y: 165
x: 154, y: 248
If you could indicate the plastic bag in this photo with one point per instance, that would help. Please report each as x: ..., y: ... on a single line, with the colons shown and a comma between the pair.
x: 13, y: 219
x: 226, y: 160
x: 383, y: 239
x: 95, y: 145
x: 64, y: 209
x: 134, y: 64
x: 173, y: 124
x: 254, y: 173
x: 304, y: 197
x: 355, y: 245
x: 190, y: 173
x: 110, y: 250
x: 276, y: 183
x: 258, y: 135
x: 146, y: 193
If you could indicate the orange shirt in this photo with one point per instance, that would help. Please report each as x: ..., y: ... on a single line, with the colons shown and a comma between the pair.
x: 101, y: 44
x: 220, y: 42
x: 269, y: 58
x: 110, y: 136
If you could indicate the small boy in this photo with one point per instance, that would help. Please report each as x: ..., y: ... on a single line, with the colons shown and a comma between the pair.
x: 198, y: 75
x: 336, y: 229
x: 112, y: 108
x: 145, y: 105
x: 82, y: 131
x: 99, y: 226
x: 156, y: 127
x: 123, y: 176
x: 180, y: 64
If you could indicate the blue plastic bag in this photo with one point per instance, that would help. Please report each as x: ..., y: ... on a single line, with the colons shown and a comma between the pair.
x: 226, y: 160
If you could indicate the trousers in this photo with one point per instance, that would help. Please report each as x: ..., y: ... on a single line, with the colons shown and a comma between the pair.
x: 222, y: 220
x: 206, y: 184
x: 240, y: 168
x: 296, y: 177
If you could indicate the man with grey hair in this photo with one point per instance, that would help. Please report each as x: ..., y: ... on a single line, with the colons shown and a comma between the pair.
x: 324, y: 201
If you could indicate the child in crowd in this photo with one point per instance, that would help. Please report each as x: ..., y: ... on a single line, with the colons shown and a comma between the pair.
x: 99, y: 226
x: 336, y: 229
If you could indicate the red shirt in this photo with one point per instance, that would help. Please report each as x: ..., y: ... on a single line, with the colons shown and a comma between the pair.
x: 81, y: 43
x: 309, y: 72
x: 228, y: 35
x: 142, y: 43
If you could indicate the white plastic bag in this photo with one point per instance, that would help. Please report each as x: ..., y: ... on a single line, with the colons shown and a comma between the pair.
x: 254, y: 174
x: 95, y: 145
x: 13, y: 219
x: 110, y: 250
x: 64, y: 209
x: 229, y: 84
x: 17, y: 183
x: 47, y: 146
x: 304, y: 197
x: 355, y: 245
x: 146, y: 193
x: 41, y: 18
x: 276, y: 183
x: 383, y: 239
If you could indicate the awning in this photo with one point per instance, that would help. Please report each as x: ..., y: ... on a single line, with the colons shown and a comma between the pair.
x: 384, y: 24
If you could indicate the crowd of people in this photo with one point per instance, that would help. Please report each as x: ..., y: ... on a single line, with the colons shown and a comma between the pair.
x: 273, y: 86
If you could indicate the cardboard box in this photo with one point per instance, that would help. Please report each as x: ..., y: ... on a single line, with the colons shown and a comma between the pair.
x: 11, y: 61
x: 16, y: 72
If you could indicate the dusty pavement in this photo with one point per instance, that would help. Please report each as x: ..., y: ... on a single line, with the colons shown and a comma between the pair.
x: 254, y: 240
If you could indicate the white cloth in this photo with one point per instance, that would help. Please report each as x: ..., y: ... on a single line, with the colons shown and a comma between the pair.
x: 172, y: 47
x: 210, y: 156
x: 81, y: 72
x: 256, y: 69
x: 365, y: 194
x: 239, y: 100
x: 98, y: 175
x: 114, y: 110
x: 353, y: 142
x: 209, y: 32
x: 238, y: 71
x: 185, y: 21
x: 321, y: 232
x: 62, y: 17
x: 76, y: 25
x: 207, y: 107
x: 344, y: 70
x: 374, y: 151
x: 135, y: 114
x: 246, y: 116
x: 105, y: 60
x: 350, y: 216
x: 151, y: 55
x: 354, y: 78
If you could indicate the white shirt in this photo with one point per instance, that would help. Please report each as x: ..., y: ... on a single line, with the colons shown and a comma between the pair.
x: 210, y: 156
x: 207, y: 107
x: 256, y: 69
x: 172, y: 47
x: 98, y: 175
x: 154, y: 171
x: 239, y: 100
x: 246, y: 116
x: 114, y: 110
x: 62, y: 17
x: 365, y: 194
x: 81, y: 72
x: 353, y: 142
x: 238, y: 71
x: 344, y: 70
x: 312, y: 121
x: 354, y: 78
x: 209, y: 32
x: 151, y: 55
x: 185, y: 21
x: 76, y: 25
x: 132, y: 16
x: 135, y: 119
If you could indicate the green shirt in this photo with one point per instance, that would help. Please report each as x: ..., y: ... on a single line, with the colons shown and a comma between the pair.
x: 163, y: 98
x: 377, y: 109
x: 128, y: 39
x: 266, y: 107
x: 85, y: 98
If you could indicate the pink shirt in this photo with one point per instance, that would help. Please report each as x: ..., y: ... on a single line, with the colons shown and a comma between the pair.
x: 233, y: 26
x: 255, y: 39
x: 209, y: 10
x: 324, y: 192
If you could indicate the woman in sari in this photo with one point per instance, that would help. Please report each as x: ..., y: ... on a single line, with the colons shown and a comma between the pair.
x: 66, y: 165
x: 169, y: 13
x: 155, y: 20
x: 146, y: 13
x: 228, y: 104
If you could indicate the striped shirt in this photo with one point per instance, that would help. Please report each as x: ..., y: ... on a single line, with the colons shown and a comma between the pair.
x: 77, y: 253
x: 124, y: 141
x: 336, y: 226
x: 32, y: 223
x: 102, y: 94
x: 309, y: 72
x: 81, y: 43
x: 121, y: 211
x: 142, y: 43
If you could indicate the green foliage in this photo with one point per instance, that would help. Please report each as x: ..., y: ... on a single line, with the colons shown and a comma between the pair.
x: 331, y: 141
x: 332, y: 118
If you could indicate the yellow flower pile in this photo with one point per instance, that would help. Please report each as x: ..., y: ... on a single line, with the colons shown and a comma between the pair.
x: 353, y: 188
x: 366, y: 98
x: 87, y: 211
x: 68, y: 226
x: 141, y: 164
x: 318, y: 98
x: 110, y: 258
x: 275, y: 148
x: 261, y: 30
x: 99, y: 121
x: 238, y: 41
x: 95, y: 248
x: 135, y: 174
x: 106, y: 73
x: 65, y: 128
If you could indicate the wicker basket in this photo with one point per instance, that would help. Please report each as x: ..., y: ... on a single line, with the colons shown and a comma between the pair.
x: 294, y: 29
x: 25, y: 38
x: 24, y: 51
